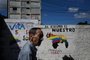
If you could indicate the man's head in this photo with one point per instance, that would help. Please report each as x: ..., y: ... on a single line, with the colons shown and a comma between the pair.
x: 35, y: 36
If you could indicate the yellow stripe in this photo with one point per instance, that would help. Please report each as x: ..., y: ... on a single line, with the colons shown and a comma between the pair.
x: 63, y: 37
x: 60, y: 36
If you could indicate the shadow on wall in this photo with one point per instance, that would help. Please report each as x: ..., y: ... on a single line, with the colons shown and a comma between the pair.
x: 68, y: 58
x: 8, y: 47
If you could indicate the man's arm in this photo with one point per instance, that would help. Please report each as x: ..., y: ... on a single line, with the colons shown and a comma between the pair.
x: 25, y: 56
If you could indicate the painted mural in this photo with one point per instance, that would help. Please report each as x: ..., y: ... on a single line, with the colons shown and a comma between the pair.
x: 20, y: 28
x: 65, y: 42
x: 60, y: 42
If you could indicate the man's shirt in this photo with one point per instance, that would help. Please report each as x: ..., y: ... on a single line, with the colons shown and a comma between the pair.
x: 28, y: 52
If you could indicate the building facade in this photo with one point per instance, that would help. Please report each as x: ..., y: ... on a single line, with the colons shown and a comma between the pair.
x: 24, y: 9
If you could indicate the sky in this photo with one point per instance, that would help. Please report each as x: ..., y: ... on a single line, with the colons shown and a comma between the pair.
x: 60, y: 11
x: 3, y: 7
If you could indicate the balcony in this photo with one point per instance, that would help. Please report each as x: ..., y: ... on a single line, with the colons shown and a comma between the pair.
x: 15, y: 0
x: 25, y: 4
x: 25, y: 10
x: 25, y: 0
x: 15, y: 10
x: 13, y: 16
x: 15, y: 4
x: 36, y: 0
x: 26, y: 16
x: 35, y: 11
x: 35, y: 4
x: 35, y: 17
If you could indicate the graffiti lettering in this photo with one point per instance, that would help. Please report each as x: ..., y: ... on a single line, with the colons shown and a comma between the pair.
x: 53, y: 51
x: 17, y: 26
x: 64, y: 30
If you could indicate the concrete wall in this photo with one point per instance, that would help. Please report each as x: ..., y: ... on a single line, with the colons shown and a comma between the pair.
x: 78, y: 40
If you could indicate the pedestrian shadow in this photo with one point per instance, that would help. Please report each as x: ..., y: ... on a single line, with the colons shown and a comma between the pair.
x: 8, y: 46
x: 68, y: 58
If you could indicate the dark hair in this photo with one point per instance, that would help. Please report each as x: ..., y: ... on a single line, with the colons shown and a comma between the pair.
x: 33, y: 31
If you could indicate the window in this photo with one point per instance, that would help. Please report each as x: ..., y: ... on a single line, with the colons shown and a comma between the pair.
x: 27, y: 8
x: 28, y: 2
x: 14, y: 8
x: 27, y: 14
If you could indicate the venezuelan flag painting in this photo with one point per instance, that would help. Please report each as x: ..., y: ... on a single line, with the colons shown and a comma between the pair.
x: 57, y: 39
